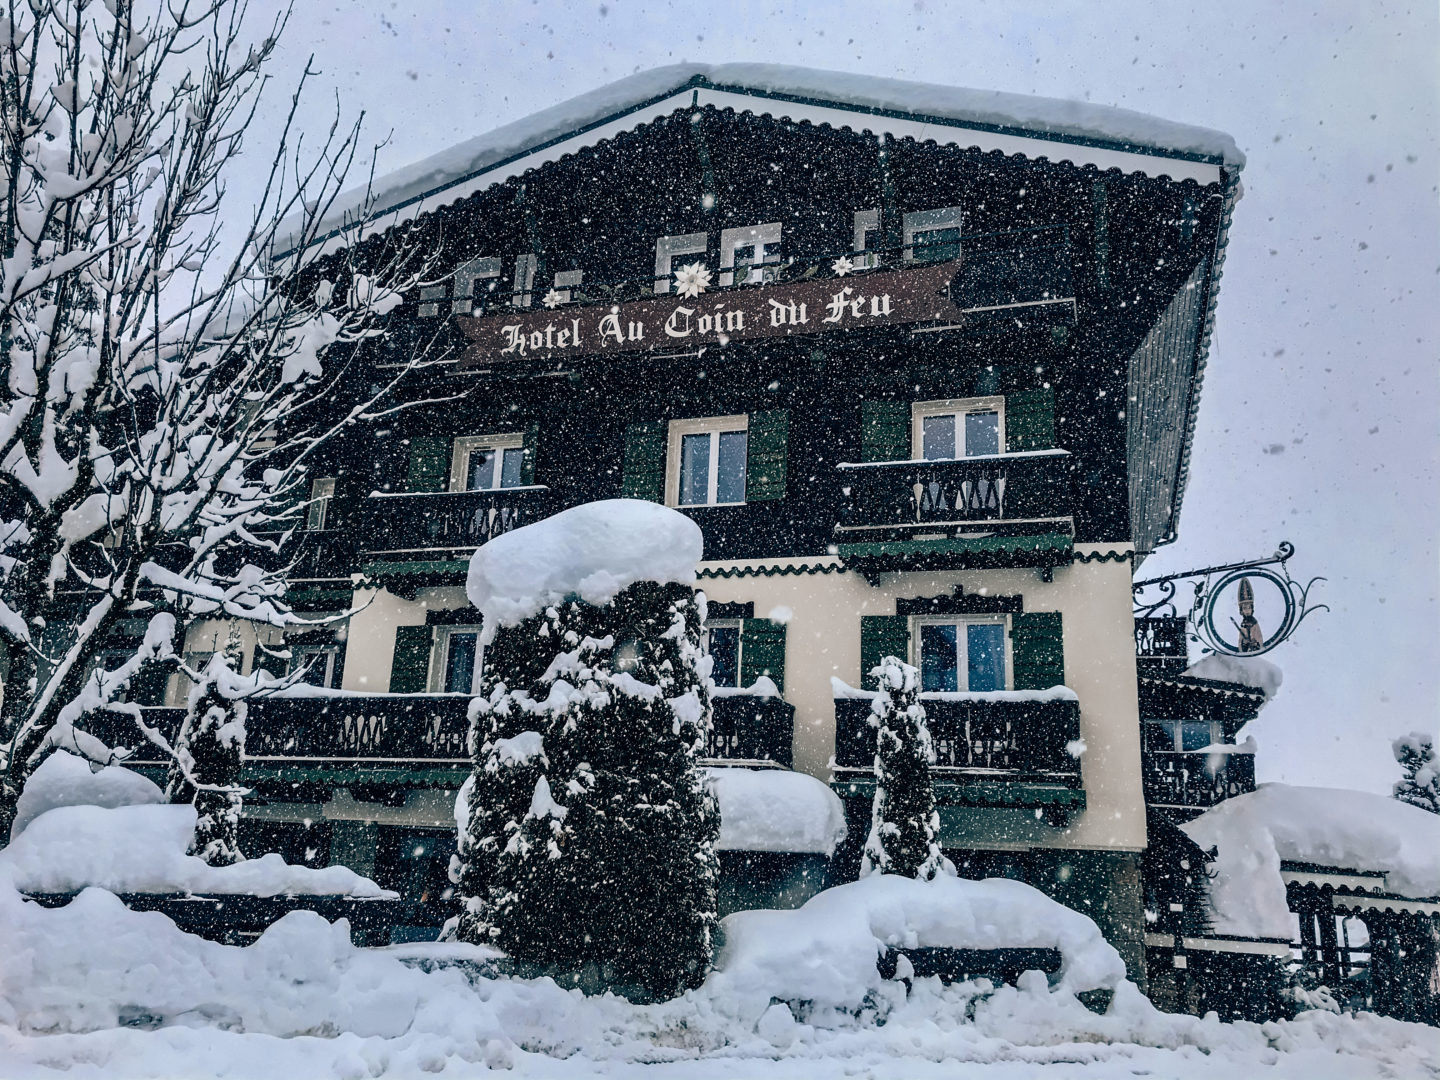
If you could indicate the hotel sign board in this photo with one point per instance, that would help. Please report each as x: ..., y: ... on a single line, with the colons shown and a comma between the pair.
x: 882, y: 298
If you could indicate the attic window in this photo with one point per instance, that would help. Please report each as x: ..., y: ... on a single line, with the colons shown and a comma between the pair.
x: 932, y: 235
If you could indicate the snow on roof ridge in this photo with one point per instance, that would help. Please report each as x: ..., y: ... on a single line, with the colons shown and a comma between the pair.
x: 1055, y: 118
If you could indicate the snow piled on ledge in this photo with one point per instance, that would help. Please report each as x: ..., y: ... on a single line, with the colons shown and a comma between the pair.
x: 1334, y: 827
x: 1022, y: 113
x: 591, y: 551
x: 66, y: 780
x: 777, y: 810
x: 1246, y: 670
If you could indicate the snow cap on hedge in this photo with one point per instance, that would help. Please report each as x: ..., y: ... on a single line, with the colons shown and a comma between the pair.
x: 591, y: 551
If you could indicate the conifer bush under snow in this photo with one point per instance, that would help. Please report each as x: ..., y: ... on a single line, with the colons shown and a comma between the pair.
x: 209, y: 752
x: 904, y: 825
x: 590, y: 828
x: 1420, y: 785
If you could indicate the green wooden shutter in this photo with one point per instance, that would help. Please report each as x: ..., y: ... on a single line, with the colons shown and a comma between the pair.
x: 1030, y: 420
x: 762, y: 652
x: 882, y: 636
x: 429, y: 463
x: 527, y: 462
x: 1037, y: 650
x: 410, y: 670
x: 884, y: 431
x: 644, y: 473
x: 766, y: 455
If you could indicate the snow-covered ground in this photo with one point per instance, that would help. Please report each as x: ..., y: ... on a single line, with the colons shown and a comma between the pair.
x: 96, y: 990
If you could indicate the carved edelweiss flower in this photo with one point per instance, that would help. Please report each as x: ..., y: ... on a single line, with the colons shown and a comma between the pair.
x: 552, y: 299
x: 842, y: 266
x: 692, y: 279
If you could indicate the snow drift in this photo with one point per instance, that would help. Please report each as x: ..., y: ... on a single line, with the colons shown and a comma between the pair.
x: 776, y: 810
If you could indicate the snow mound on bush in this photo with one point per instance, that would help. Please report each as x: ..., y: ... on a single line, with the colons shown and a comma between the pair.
x: 824, y: 954
x: 776, y: 810
x: 591, y: 551
x: 1354, y: 830
x: 141, y: 849
x: 1246, y: 670
x: 66, y: 780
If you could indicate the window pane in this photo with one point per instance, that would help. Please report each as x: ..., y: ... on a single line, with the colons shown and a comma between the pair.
x: 986, y: 656
x: 317, y: 673
x: 460, y: 664
x: 510, y: 467
x: 1194, y: 734
x: 933, y: 245
x: 938, y: 668
x: 982, y: 433
x: 730, y: 476
x: 482, y: 470
x: 725, y: 652
x: 694, y: 469
x: 938, y: 438
x: 1159, y: 735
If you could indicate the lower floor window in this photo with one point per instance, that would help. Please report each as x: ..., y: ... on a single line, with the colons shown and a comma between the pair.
x: 317, y: 666
x: 461, y: 648
x: 1189, y: 735
x: 962, y: 655
x: 723, y: 637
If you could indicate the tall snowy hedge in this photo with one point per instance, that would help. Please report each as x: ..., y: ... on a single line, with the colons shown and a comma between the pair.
x: 209, y: 751
x: 904, y: 825
x: 591, y: 829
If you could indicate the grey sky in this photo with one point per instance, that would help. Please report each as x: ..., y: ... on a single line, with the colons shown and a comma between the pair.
x: 1319, y: 417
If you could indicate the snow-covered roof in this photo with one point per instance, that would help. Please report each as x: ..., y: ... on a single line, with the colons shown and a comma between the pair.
x: 1330, y: 827
x: 1075, y: 131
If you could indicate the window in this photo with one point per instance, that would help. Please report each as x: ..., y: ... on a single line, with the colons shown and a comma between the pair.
x: 723, y: 644
x: 487, y: 462
x: 322, y: 490
x: 457, y: 660
x: 962, y: 654
x: 969, y: 427
x: 707, y: 461
x: 1187, y: 735
x: 932, y: 235
x: 316, y: 664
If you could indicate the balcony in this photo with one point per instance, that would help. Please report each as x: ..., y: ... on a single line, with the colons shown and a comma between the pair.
x: 458, y: 520
x: 420, y: 731
x: 1187, y: 782
x: 1160, y: 645
x: 997, y: 510
x: 978, y: 740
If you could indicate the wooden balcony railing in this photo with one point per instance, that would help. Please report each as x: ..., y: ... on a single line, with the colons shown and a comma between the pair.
x: 977, y: 739
x: 1160, y: 645
x: 447, y: 519
x: 1194, y: 780
x: 925, y: 495
x: 421, y: 729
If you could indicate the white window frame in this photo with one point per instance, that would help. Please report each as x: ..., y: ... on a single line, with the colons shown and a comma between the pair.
x: 713, y: 425
x: 917, y: 621
x: 738, y: 625
x: 760, y: 239
x: 1176, y: 726
x: 322, y: 490
x: 440, y: 655
x: 330, y: 651
x: 670, y: 248
x: 926, y: 221
x: 956, y: 407
x: 467, y: 445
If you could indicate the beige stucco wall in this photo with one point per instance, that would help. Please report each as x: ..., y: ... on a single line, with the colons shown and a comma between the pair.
x: 823, y: 640
x: 370, y: 650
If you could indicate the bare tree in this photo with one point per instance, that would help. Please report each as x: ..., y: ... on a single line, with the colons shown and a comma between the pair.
x: 163, y: 383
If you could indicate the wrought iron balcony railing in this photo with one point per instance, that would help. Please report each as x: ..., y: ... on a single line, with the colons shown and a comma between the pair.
x: 977, y: 739
x: 1194, y: 780
x: 926, y: 495
x: 420, y: 729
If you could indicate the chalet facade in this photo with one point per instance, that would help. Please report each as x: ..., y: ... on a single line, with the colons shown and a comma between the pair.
x: 922, y: 364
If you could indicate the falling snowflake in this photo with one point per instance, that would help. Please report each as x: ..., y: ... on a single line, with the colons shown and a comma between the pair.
x: 553, y: 299
x: 692, y: 279
x: 842, y: 266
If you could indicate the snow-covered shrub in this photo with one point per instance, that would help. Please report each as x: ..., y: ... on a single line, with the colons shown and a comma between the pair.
x: 1420, y: 785
x: 904, y: 825
x: 591, y: 827
x: 209, y: 751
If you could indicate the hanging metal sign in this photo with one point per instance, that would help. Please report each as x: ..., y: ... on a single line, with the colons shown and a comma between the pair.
x: 881, y: 298
x: 1225, y: 615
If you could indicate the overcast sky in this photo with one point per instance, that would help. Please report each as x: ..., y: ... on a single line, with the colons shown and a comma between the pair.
x: 1319, y: 418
